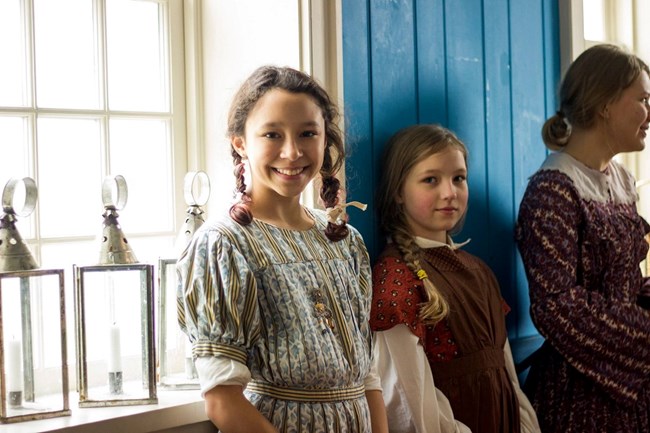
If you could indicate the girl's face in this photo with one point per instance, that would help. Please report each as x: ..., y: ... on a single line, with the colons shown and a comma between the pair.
x: 434, y: 195
x: 284, y: 143
x: 629, y: 116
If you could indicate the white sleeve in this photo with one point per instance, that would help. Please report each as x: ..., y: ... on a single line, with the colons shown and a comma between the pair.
x: 527, y: 415
x: 372, y: 380
x: 413, y: 404
x: 215, y: 371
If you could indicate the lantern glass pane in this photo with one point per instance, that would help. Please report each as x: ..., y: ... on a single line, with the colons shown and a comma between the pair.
x: 177, y: 368
x: 115, y: 307
x: 34, y: 352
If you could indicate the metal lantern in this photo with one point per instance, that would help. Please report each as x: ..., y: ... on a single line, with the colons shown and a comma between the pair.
x: 116, y: 362
x: 177, y: 370
x: 33, y: 363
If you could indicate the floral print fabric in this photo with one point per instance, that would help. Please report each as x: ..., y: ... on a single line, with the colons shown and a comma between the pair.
x: 249, y: 293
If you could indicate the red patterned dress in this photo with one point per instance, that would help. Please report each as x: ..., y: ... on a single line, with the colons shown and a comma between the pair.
x: 581, y: 241
x: 466, y: 350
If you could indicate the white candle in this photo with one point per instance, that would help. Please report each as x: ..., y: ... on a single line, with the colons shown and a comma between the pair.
x: 115, y: 352
x: 14, y: 366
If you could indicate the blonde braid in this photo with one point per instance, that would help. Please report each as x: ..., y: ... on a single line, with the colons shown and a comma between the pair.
x: 435, y: 308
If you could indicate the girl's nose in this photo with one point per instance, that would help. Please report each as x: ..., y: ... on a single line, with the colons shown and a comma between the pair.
x: 291, y: 150
x: 450, y: 190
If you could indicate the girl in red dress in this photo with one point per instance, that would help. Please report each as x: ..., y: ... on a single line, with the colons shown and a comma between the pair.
x: 437, y: 310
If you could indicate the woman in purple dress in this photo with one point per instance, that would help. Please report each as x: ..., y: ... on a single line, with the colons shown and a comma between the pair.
x: 581, y: 241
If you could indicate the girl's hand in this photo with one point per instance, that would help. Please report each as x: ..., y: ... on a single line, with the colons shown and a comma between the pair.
x: 231, y: 412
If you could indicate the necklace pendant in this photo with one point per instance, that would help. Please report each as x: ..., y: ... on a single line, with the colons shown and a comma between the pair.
x: 322, y: 312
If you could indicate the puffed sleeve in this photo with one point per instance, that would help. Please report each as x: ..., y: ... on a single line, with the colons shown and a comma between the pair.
x: 397, y: 294
x: 217, y: 300
x: 606, y: 339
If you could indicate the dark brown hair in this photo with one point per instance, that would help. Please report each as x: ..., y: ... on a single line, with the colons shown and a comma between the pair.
x: 261, y: 81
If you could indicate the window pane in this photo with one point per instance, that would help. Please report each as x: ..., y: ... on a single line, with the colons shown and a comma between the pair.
x: 14, y: 162
x: 69, y: 177
x: 67, y: 68
x: 137, y: 58
x: 13, y: 73
x: 63, y: 254
x: 594, y: 20
x: 141, y: 152
x: 14, y: 135
x: 149, y: 250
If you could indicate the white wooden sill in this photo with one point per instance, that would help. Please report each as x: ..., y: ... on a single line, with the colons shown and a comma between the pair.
x: 176, y: 411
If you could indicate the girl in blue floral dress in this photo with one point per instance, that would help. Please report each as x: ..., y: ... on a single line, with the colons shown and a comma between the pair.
x: 275, y: 297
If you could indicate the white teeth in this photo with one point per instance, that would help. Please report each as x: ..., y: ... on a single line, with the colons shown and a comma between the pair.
x: 288, y: 172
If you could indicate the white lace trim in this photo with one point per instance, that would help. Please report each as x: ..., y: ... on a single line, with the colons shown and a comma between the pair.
x: 615, y: 184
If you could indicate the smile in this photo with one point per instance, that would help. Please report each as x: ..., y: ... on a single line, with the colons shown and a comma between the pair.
x: 290, y: 171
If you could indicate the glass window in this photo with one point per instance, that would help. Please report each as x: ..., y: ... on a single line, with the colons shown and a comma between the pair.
x: 85, y: 92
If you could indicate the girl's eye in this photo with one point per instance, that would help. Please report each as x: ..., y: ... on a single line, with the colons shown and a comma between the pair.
x: 431, y: 180
x: 460, y: 178
x: 309, y: 134
x: 645, y: 100
x: 271, y: 135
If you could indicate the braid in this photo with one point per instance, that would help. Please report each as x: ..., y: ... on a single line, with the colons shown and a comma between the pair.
x: 435, y: 308
x: 329, y: 193
x: 240, y: 211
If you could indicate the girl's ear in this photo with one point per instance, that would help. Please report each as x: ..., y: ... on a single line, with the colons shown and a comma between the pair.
x: 239, y: 145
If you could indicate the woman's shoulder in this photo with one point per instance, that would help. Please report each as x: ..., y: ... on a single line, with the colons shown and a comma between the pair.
x: 560, y: 172
x: 223, y: 233
x: 219, y: 225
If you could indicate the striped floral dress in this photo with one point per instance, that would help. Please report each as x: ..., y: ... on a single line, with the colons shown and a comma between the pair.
x: 581, y: 241
x: 293, y: 307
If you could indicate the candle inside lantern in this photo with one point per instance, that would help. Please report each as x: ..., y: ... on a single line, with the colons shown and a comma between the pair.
x: 115, y: 350
x: 14, y: 373
x: 114, y: 360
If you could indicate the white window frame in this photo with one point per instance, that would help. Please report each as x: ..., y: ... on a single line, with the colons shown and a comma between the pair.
x: 174, y: 20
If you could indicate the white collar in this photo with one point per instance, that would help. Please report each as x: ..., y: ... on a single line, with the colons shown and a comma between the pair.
x: 430, y: 243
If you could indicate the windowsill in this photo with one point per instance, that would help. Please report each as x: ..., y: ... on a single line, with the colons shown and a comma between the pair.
x: 174, y: 409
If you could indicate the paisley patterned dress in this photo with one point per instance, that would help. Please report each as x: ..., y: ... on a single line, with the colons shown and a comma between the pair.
x: 581, y: 241
x: 293, y: 307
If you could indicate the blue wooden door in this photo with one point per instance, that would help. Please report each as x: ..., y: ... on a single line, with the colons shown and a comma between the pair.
x: 487, y: 69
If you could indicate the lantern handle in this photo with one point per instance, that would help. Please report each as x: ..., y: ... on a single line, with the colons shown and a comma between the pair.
x: 114, y: 185
x: 199, y: 182
x: 9, y: 192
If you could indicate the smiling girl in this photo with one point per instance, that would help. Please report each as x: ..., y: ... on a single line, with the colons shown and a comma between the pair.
x: 275, y: 296
x: 445, y: 363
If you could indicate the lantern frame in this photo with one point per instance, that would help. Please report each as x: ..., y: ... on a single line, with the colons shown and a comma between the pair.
x: 168, y: 379
x: 29, y: 387
x: 147, y: 334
